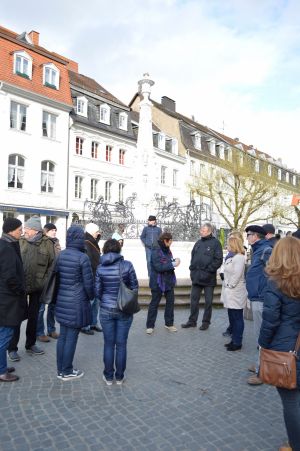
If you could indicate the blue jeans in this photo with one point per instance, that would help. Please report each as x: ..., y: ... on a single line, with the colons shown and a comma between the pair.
x: 6, y: 334
x: 115, y: 325
x: 291, y: 412
x: 65, y: 349
x: 95, y: 311
x: 236, y: 324
x: 40, y: 330
x: 148, y: 258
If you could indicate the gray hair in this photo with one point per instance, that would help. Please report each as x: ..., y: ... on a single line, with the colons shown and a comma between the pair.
x: 208, y: 225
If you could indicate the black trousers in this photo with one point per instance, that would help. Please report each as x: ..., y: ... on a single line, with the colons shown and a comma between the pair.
x: 33, y: 312
x: 153, y: 307
x: 195, y: 298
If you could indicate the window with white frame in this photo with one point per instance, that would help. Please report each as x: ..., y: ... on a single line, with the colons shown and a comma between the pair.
x: 161, y: 141
x: 287, y: 177
x: 108, y: 153
x: 23, y: 64
x: 16, y: 169
x: 107, y: 196
x: 279, y: 174
x: 81, y: 106
x: 121, y: 192
x: 192, y: 167
x: 94, y: 185
x: 175, y: 177
x: 197, y: 141
x: 49, y: 125
x: 212, y: 147
x: 294, y: 180
x: 174, y: 146
x: 256, y: 165
x: 121, y: 156
x: 18, y: 115
x: 79, y: 145
x: 269, y: 170
x: 78, y: 187
x: 47, y: 177
x: 51, y: 76
x: 94, y: 149
x: 163, y: 172
x: 104, y: 114
x: 123, y: 120
x: 221, y: 151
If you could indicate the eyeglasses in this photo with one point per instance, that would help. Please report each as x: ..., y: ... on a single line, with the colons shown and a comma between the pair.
x: 249, y: 234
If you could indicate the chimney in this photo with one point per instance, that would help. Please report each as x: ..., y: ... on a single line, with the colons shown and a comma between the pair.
x: 168, y: 103
x: 35, y: 37
x: 73, y: 66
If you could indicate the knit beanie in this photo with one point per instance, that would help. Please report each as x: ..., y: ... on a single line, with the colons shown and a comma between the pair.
x: 11, y: 224
x: 49, y: 226
x: 34, y: 223
x: 92, y: 228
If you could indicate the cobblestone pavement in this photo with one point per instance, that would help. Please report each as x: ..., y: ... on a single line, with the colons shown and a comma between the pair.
x: 184, y: 391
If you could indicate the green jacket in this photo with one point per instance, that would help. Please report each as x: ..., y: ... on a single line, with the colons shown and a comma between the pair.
x: 37, y: 257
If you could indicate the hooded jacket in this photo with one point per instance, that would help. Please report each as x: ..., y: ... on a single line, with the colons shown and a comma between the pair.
x: 107, y: 281
x: 75, y: 286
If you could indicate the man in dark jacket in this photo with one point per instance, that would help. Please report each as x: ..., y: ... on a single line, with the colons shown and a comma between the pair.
x: 207, y: 257
x: 91, y: 239
x: 38, y: 254
x: 256, y: 281
x: 149, y: 237
x: 13, y: 305
x: 270, y: 234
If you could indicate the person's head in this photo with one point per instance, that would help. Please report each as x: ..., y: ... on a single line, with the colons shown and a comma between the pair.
x: 255, y: 233
x: 13, y: 227
x: 284, y: 266
x: 166, y: 238
x: 296, y: 234
x: 50, y: 230
x: 93, y: 229
x: 32, y: 226
x: 111, y: 245
x: 237, y: 234
x: 75, y: 237
x: 206, y: 229
x: 235, y: 244
x: 270, y: 231
x: 289, y: 233
x: 152, y: 220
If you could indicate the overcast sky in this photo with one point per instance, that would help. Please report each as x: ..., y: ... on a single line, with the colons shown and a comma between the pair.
x: 232, y: 64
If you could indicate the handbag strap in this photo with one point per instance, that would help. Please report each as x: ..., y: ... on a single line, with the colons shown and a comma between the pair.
x: 121, y: 278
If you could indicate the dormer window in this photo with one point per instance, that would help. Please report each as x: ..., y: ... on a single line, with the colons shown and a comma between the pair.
x: 123, y: 119
x: 212, y: 147
x: 174, y: 146
x: 287, y: 177
x: 81, y: 106
x: 161, y: 141
x: 23, y: 64
x: 221, y: 151
x: 256, y: 165
x: 294, y: 180
x: 51, y: 76
x: 104, y: 114
x: 279, y: 174
x: 197, y: 141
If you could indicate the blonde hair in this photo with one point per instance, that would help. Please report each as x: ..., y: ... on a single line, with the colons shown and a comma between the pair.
x: 236, y: 244
x: 284, y: 266
x: 236, y: 233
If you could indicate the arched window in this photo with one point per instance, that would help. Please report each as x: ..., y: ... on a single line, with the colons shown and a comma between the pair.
x: 16, y: 164
x: 22, y: 64
x: 47, y: 177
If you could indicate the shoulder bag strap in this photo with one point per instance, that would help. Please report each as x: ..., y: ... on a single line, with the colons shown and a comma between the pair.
x: 297, y: 347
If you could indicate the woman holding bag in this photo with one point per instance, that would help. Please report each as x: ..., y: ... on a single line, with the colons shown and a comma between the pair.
x: 281, y: 323
x: 115, y: 324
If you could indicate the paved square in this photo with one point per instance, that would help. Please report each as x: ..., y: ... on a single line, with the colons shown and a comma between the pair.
x: 184, y: 391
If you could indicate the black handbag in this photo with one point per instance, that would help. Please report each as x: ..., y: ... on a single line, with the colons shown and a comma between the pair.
x: 49, y: 292
x: 127, y: 299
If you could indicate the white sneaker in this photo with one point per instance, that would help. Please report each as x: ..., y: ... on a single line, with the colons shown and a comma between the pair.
x: 171, y: 328
x: 76, y: 374
x: 108, y: 382
x: 150, y: 330
x: 120, y: 382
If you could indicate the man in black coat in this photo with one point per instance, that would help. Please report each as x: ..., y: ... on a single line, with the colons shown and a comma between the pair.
x: 13, y: 305
x: 207, y: 257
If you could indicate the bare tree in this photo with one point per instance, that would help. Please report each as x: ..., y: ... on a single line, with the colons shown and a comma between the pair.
x: 242, y: 190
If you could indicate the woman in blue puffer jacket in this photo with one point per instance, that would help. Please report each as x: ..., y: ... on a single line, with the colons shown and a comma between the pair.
x: 115, y: 324
x: 73, y: 308
x: 281, y: 322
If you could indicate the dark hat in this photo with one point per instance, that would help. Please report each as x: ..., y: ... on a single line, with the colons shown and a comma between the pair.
x: 50, y: 226
x: 269, y: 228
x: 296, y: 234
x: 11, y: 224
x: 256, y: 229
x: 152, y: 218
